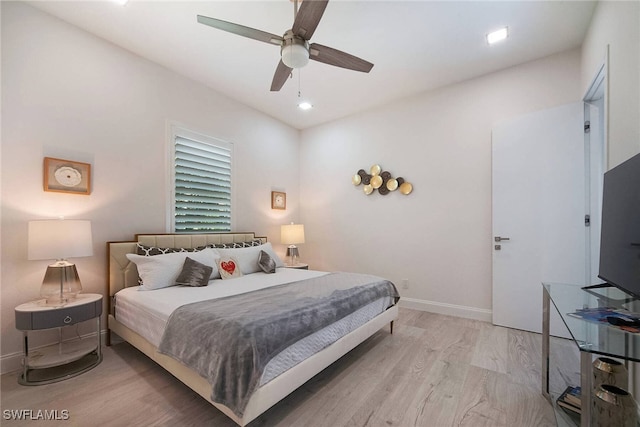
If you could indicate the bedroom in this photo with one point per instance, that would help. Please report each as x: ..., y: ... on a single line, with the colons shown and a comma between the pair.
x: 62, y: 93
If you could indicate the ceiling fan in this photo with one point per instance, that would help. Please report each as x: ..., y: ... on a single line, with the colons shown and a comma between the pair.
x: 295, y: 50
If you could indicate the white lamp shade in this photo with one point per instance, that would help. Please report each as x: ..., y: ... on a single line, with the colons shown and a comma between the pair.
x: 59, y: 239
x: 292, y: 234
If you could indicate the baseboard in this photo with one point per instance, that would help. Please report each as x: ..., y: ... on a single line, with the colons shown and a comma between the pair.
x: 13, y: 362
x: 484, y: 315
x: 10, y: 362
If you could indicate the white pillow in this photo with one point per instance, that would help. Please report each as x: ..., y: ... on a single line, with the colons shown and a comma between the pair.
x: 161, y: 271
x: 229, y: 268
x: 248, y: 257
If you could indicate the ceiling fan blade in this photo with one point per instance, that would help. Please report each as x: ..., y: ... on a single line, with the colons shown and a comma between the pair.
x: 308, y: 17
x: 332, y: 56
x: 241, y: 30
x: 280, y: 77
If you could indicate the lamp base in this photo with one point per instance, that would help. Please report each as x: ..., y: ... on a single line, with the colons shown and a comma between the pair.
x: 61, y: 283
x: 59, y: 300
x: 293, y: 254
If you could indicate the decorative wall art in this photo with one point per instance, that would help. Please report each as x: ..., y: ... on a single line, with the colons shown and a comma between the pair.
x: 67, y: 176
x: 380, y: 180
x: 278, y: 200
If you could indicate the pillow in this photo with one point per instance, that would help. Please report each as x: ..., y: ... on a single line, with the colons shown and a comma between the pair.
x: 194, y: 273
x: 255, y: 242
x: 153, y: 250
x: 161, y: 271
x: 266, y: 263
x: 248, y: 257
x: 229, y: 268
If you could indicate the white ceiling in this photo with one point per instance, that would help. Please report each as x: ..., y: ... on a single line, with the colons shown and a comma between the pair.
x: 415, y: 45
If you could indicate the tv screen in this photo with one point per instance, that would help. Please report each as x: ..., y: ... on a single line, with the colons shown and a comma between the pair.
x: 620, y: 233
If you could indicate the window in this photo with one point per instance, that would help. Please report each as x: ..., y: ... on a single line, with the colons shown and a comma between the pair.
x: 201, y: 183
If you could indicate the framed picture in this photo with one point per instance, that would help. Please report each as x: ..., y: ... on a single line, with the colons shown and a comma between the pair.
x: 67, y: 176
x: 278, y: 200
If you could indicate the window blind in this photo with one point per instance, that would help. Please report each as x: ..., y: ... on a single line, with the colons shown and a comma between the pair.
x: 202, y: 198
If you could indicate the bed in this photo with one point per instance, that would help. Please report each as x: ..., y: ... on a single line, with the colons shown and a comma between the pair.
x: 145, y: 318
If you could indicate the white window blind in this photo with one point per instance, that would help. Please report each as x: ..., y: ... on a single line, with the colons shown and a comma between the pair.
x: 202, y: 198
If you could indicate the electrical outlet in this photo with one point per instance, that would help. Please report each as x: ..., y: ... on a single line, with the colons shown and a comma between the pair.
x: 405, y: 283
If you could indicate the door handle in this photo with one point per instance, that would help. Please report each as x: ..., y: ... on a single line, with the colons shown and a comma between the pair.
x: 500, y: 239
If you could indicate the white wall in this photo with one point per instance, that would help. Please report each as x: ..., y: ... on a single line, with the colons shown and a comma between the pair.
x: 438, y: 237
x: 68, y: 94
x: 617, y: 25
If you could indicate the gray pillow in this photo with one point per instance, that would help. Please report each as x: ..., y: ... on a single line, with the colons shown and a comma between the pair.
x: 194, y: 273
x: 266, y: 263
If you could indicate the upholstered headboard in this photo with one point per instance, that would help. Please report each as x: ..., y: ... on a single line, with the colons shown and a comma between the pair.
x: 123, y: 273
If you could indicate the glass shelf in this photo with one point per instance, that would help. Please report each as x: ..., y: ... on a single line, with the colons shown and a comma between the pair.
x: 591, y: 337
x: 596, y: 337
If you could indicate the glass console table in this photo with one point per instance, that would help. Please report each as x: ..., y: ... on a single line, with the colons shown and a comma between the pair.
x: 590, y: 337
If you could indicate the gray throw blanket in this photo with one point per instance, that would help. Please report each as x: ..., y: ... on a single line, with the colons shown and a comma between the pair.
x: 229, y: 341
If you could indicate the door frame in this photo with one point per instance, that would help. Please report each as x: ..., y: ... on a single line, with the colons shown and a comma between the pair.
x: 597, y: 90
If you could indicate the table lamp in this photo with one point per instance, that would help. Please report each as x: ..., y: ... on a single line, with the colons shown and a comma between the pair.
x: 60, y: 239
x: 291, y: 235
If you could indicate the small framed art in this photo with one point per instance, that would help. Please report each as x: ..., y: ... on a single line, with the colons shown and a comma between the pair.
x: 278, y: 200
x: 67, y: 176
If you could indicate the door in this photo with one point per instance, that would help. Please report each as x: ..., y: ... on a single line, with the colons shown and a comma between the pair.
x: 539, y: 206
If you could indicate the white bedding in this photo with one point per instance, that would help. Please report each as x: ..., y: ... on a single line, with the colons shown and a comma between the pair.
x: 147, y: 312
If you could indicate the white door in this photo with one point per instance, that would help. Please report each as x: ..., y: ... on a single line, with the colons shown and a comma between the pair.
x: 539, y: 205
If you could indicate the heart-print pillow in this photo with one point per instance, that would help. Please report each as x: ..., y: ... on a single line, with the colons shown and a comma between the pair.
x: 229, y: 268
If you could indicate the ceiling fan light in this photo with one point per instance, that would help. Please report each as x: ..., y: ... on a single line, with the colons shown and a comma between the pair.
x: 295, y: 56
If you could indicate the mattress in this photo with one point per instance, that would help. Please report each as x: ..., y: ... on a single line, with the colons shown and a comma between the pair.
x: 147, y: 312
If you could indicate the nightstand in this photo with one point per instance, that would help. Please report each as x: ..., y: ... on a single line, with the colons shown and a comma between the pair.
x: 299, y: 266
x: 57, y: 362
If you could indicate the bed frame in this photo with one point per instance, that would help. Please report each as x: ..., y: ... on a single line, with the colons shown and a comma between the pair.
x: 123, y: 273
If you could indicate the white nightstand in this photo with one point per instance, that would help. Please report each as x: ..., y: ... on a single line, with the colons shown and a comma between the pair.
x: 57, y: 362
x: 299, y: 266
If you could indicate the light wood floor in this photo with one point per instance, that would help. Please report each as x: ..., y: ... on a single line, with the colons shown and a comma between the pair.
x: 433, y: 371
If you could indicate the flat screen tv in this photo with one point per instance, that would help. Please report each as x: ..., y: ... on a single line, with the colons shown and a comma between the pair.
x: 620, y: 233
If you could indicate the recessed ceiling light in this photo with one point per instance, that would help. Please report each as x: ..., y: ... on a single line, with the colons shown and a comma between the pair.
x: 121, y: 2
x: 305, y: 105
x: 497, y: 35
